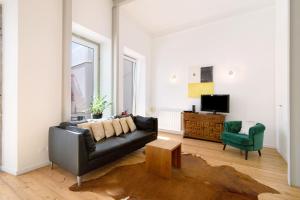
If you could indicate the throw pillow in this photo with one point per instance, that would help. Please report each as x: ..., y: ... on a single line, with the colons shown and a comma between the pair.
x: 246, y: 125
x: 130, y: 123
x: 87, y: 125
x: 108, y: 128
x: 98, y: 131
x: 88, y: 138
x: 144, y: 123
x: 117, y: 126
x: 124, y: 125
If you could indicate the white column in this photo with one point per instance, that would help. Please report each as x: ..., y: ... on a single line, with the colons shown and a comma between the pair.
x: 115, y: 56
x: 67, y: 56
x: 295, y: 94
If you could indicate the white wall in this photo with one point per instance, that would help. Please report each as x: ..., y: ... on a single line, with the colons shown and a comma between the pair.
x: 93, y: 20
x: 295, y: 93
x: 40, y: 100
x: 282, y: 77
x: 32, y: 81
x: 93, y: 14
x: 244, y: 44
x: 137, y: 41
x: 10, y: 86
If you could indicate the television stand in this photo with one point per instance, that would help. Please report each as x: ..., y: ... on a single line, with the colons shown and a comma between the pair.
x: 203, y: 126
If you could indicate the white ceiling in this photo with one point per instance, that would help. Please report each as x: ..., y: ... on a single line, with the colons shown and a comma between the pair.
x: 160, y: 17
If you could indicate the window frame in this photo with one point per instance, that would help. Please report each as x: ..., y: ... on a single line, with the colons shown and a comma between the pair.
x: 134, y: 81
x: 96, y: 62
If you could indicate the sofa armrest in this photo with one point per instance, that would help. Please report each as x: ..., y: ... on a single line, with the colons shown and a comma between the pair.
x: 67, y: 149
x: 232, y: 126
x: 146, y: 123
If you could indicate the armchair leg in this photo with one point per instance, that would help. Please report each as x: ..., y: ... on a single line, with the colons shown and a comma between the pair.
x: 52, y: 165
x: 78, y: 181
x: 259, y: 153
x: 246, y: 155
x: 224, y: 147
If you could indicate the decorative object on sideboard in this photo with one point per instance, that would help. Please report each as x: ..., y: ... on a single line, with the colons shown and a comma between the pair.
x: 193, y: 108
x: 97, y: 107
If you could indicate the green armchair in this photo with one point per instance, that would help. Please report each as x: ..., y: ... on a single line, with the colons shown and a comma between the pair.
x: 252, y: 142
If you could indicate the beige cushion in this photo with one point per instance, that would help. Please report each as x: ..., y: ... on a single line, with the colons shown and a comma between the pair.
x: 87, y: 125
x: 117, y: 126
x: 98, y: 131
x: 130, y: 123
x: 108, y: 128
x: 124, y: 125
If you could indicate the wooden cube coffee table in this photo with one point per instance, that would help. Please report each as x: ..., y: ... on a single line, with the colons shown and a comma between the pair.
x: 161, y: 155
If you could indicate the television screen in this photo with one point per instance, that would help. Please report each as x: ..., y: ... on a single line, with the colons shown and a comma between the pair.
x: 215, y: 103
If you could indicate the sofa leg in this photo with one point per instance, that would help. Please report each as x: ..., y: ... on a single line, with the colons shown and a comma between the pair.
x: 246, y: 155
x: 259, y: 153
x: 52, y: 165
x: 78, y: 181
x: 224, y: 147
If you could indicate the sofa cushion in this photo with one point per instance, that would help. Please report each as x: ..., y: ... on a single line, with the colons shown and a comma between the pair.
x: 107, y: 146
x: 144, y: 123
x: 88, y: 138
x: 124, y: 125
x: 117, y: 126
x: 87, y: 125
x: 137, y: 136
x: 98, y: 131
x: 108, y: 128
x: 131, y: 124
x: 236, y: 138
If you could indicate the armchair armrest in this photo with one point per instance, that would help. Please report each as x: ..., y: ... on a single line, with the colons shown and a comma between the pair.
x: 68, y: 149
x: 256, y: 134
x: 233, y: 126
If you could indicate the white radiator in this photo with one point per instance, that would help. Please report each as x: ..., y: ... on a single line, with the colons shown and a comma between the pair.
x: 169, y: 120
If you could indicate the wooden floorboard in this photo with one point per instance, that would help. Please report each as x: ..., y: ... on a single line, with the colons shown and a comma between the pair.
x: 44, y: 183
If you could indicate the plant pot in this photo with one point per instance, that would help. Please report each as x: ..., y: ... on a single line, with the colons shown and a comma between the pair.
x: 97, y: 116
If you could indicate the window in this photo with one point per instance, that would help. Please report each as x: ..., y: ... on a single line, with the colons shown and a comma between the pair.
x: 84, y: 76
x: 129, y: 82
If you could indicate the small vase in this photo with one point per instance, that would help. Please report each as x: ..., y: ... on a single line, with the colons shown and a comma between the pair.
x: 97, y: 116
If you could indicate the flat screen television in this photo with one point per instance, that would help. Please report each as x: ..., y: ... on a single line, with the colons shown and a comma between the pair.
x: 215, y: 103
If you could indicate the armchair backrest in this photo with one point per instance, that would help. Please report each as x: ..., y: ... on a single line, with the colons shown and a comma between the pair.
x: 256, y: 134
x: 233, y: 126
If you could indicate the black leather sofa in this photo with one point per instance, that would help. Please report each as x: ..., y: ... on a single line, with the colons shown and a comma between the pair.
x: 72, y: 148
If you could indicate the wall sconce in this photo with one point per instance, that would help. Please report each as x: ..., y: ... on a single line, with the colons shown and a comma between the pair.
x: 173, y: 78
x: 231, y: 73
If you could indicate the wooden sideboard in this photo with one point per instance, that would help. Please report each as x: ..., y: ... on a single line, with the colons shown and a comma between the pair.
x: 203, y: 126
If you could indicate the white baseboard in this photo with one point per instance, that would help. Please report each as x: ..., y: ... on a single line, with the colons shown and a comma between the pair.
x: 9, y: 170
x: 25, y: 170
x: 171, y: 131
x: 33, y: 167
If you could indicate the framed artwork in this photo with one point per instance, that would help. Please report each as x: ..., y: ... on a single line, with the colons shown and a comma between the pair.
x: 207, y: 74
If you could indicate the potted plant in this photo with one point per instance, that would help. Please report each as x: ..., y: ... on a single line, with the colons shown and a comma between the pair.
x: 97, y: 107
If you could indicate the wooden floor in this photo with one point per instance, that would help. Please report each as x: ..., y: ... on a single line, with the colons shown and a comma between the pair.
x: 44, y: 183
